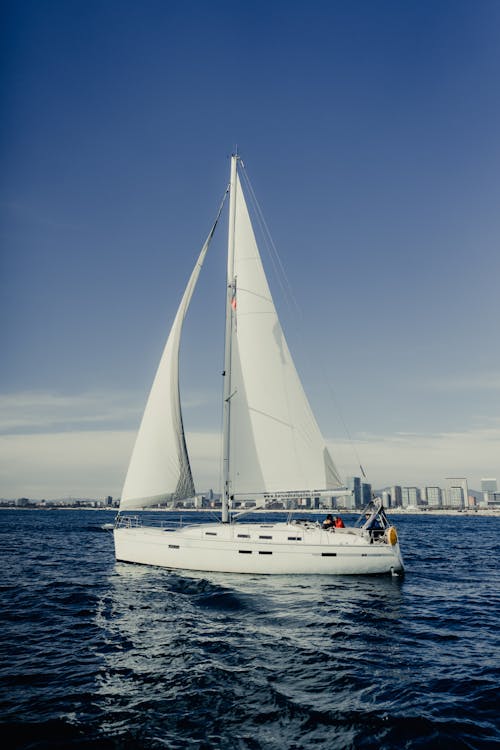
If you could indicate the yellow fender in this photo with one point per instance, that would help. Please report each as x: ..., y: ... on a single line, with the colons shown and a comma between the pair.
x: 392, y: 535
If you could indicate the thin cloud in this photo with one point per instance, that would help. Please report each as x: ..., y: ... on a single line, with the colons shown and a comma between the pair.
x: 89, y: 463
x: 92, y: 463
x: 33, y: 411
x: 420, y: 459
x: 480, y: 381
x: 69, y: 464
x: 29, y: 412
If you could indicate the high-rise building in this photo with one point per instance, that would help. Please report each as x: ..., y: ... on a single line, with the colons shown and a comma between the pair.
x: 346, y: 501
x: 455, y: 497
x: 434, y: 497
x: 396, y: 497
x: 488, y: 486
x: 494, y: 499
x: 354, y: 484
x: 410, y: 497
x: 366, y: 493
x: 386, y: 499
x: 457, y: 492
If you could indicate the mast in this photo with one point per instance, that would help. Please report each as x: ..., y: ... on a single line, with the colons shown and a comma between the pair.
x: 230, y: 291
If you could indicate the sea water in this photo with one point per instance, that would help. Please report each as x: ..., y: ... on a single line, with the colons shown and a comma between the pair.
x: 99, y: 654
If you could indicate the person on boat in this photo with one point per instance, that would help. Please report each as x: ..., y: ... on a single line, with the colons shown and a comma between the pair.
x: 328, y: 522
x: 375, y: 524
x: 339, y: 524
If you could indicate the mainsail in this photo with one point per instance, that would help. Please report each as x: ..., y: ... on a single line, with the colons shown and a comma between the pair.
x: 275, y: 442
x: 159, y: 469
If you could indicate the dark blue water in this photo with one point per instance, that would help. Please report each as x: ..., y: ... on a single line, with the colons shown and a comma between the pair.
x: 97, y: 654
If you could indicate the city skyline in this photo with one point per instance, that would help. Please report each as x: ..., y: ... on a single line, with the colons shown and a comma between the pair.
x: 370, y: 134
x: 361, y: 490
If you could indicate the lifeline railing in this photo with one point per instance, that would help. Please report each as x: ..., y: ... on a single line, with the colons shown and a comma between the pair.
x: 134, y: 521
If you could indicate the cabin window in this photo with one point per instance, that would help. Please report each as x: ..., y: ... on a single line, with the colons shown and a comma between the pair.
x: 245, y: 551
x: 294, y: 538
x: 173, y: 546
x: 265, y: 552
x: 243, y: 536
x: 210, y: 533
x: 328, y: 554
x: 263, y: 536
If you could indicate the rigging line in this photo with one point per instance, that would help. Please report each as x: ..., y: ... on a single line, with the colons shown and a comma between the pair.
x: 211, y: 233
x: 272, y: 252
x: 341, y: 416
x: 274, y: 256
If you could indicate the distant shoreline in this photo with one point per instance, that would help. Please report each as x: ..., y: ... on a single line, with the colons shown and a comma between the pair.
x: 489, y: 512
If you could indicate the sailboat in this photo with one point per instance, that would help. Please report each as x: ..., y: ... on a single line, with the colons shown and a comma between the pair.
x: 272, y: 446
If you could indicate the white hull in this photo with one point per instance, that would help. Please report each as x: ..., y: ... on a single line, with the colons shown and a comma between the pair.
x: 279, y: 548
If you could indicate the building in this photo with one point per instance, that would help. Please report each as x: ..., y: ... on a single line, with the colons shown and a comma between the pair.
x: 434, y: 497
x: 488, y: 488
x: 356, y: 500
x: 489, y: 485
x: 494, y: 500
x: 457, y: 492
x: 386, y: 499
x: 455, y: 497
x: 23, y: 502
x: 396, y: 496
x: 410, y: 497
x: 366, y: 494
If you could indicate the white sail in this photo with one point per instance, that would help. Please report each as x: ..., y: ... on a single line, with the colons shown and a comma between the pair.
x: 275, y: 441
x: 159, y: 469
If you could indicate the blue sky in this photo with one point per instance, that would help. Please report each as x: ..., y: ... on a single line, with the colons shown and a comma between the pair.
x: 370, y: 133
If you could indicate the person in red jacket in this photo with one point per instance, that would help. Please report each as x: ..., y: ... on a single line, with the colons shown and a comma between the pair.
x: 339, y: 524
